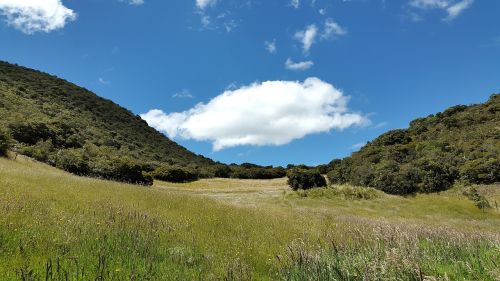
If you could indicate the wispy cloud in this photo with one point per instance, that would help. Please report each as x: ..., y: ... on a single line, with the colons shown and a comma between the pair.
x: 30, y: 16
x: 271, y: 46
x: 103, y: 81
x: 295, y: 3
x: 456, y: 9
x: 452, y: 8
x: 303, y: 65
x: 307, y: 37
x: 136, y: 2
x: 332, y: 30
x: 184, y: 94
x: 357, y: 146
x: 202, y: 4
x: 268, y: 113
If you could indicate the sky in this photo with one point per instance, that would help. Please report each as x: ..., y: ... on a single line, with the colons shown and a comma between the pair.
x: 267, y: 82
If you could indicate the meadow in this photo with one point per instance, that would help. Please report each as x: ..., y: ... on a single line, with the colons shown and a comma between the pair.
x: 57, y: 226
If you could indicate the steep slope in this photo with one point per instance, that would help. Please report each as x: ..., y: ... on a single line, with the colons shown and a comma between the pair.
x: 460, y: 143
x: 50, y: 118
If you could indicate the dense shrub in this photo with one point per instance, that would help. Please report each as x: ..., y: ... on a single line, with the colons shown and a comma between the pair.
x: 431, y: 155
x: 305, y: 179
x: 174, y: 174
x: 434, y: 176
x: 41, y: 151
x: 30, y: 132
x: 5, y: 142
x: 73, y: 161
x: 127, y: 170
x: 222, y: 171
x: 251, y: 171
x: 481, y: 171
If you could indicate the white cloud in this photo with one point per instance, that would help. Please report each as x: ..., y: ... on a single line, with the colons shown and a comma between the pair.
x: 183, y: 94
x: 307, y: 37
x: 202, y: 4
x: 357, y: 146
x: 429, y: 4
x: 456, y: 9
x: 332, y: 30
x: 136, y: 2
x: 271, y: 46
x: 268, y: 113
x: 322, y: 12
x: 32, y: 16
x: 303, y: 65
x: 452, y: 8
x: 295, y: 3
x: 103, y: 81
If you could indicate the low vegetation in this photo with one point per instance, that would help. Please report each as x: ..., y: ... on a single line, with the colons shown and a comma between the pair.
x: 55, y: 226
x: 5, y: 142
x: 305, y: 179
x: 461, y: 143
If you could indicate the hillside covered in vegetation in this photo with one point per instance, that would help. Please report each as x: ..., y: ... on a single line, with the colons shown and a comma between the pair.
x: 69, y: 127
x: 461, y: 143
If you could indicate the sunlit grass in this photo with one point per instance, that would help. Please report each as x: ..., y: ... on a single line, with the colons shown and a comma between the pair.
x: 55, y: 225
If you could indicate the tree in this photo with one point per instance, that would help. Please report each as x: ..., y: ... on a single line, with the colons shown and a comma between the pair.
x: 305, y: 179
x: 174, y: 174
x: 5, y: 142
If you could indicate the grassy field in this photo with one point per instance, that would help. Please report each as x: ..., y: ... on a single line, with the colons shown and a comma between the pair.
x: 55, y: 226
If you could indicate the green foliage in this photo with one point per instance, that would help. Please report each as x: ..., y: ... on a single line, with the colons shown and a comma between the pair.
x: 252, y: 171
x: 52, y: 120
x: 73, y: 161
x: 222, y: 171
x: 174, y: 174
x: 461, y: 143
x: 478, y: 199
x: 5, y: 142
x: 305, y: 179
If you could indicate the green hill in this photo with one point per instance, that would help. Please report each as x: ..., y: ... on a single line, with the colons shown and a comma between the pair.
x: 69, y: 127
x: 460, y: 143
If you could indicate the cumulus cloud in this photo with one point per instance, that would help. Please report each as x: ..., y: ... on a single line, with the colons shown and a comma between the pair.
x: 307, y: 37
x: 271, y: 46
x: 268, y: 113
x: 332, y: 30
x: 295, y: 3
x: 452, y: 8
x: 202, y: 4
x: 32, y: 16
x: 303, y: 65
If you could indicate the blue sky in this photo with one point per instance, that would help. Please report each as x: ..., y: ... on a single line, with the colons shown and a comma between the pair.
x: 335, y: 73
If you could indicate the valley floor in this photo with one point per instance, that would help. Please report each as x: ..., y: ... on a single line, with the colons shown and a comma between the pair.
x: 56, y: 226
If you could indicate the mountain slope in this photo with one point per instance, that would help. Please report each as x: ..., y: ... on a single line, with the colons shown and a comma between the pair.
x: 460, y: 143
x: 50, y: 118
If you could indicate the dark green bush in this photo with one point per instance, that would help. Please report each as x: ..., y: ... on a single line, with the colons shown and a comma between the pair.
x: 481, y: 171
x: 305, y: 179
x: 251, y: 171
x: 73, y: 161
x: 5, y: 142
x: 222, y: 171
x: 30, y: 132
x: 174, y: 174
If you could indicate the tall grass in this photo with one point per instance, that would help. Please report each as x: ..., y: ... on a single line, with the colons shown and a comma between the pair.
x: 54, y: 226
